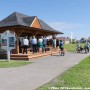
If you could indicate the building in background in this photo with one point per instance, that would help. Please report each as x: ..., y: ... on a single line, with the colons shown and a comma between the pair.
x: 66, y: 40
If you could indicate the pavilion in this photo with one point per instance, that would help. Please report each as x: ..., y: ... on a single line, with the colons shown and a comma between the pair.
x: 24, y: 25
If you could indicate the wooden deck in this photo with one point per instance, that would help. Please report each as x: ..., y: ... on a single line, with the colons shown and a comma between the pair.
x: 31, y: 56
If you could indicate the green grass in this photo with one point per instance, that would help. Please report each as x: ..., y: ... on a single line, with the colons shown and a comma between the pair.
x: 71, y: 47
x: 77, y: 76
x: 6, y: 64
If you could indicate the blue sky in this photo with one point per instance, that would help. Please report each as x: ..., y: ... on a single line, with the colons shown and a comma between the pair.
x: 63, y: 15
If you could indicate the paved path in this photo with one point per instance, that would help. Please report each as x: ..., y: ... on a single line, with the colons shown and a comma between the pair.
x: 38, y: 73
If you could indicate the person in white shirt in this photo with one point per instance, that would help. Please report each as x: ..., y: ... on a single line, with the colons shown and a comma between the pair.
x: 54, y: 43
x: 25, y: 44
x: 34, y: 44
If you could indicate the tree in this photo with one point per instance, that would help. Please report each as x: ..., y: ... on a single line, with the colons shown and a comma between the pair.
x: 82, y: 40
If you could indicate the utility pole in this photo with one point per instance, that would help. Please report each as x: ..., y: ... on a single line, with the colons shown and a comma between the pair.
x: 71, y: 36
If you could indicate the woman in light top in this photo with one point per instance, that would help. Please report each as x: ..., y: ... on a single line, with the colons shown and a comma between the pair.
x: 25, y: 44
x: 40, y: 44
x: 54, y: 43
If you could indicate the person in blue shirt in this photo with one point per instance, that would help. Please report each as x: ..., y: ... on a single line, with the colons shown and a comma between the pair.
x: 34, y: 44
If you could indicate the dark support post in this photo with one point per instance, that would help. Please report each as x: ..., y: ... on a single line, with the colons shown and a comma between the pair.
x: 17, y: 44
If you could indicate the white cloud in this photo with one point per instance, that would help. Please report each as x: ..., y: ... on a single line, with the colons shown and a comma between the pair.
x: 64, y: 25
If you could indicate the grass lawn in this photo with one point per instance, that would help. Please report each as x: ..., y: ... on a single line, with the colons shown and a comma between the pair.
x: 71, y: 47
x: 6, y: 64
x: 77, y: 76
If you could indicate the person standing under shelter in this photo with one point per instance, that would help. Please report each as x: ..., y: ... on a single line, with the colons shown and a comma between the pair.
x: 40, y: 44
x: 57, y: 44
x: 54, y: 43
x: 44, y: 44
x: 34, y: 44
x: 25, y: 44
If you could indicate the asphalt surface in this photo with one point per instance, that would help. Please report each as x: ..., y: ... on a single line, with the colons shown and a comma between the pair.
x: 43, y: 70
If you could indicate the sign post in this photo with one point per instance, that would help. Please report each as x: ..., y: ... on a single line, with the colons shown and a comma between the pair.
x: 0, y: 41
x: 8, y: 42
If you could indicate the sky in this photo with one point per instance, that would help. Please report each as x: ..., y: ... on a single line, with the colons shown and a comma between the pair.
x: 67, y: 16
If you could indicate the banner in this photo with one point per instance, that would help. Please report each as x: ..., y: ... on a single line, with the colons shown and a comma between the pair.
x: 11, y: 42
x: 4, y: 42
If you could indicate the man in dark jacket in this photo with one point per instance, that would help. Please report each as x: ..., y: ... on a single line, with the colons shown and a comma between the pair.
x: 61, y: 46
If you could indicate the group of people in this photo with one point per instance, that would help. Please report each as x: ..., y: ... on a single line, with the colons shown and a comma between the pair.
x: 39, y: 45
x: 80, y: 48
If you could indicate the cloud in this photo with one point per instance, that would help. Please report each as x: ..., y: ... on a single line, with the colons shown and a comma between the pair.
x: 64, y: 25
